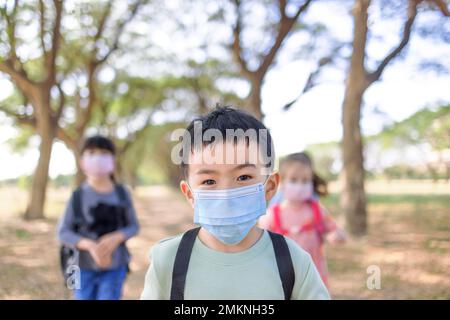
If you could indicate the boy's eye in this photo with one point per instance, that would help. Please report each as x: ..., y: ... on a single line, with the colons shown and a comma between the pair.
x: 244, y: 177
x: 209, y: 182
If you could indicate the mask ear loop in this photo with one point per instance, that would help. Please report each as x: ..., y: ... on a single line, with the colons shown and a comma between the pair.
x: 190, y: 189
x: 267, y: 178
x: 192, y: 192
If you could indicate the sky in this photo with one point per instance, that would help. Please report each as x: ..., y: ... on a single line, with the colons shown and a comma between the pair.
x: 316, y: 117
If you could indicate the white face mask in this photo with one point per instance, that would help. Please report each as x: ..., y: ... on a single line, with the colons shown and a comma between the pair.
x: 297, y: 192
x: 97, y: 165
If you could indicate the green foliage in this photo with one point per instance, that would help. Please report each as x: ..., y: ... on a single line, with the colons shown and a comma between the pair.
x: 439, y: 132
x: 157, y: 165
x: 21, y: 142
x: 404, y: 171
x: 425, y: 126
x: 24, y: 182
x: 323, y: 157
x: 62, y: 181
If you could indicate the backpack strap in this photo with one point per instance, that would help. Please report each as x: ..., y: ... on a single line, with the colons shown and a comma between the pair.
x: 318, y: 219
x: 284, y: 263
x: 181, y: 264
x: 77, y: 209
x: 123, y: 198
x: 121, y: 192
x: 277, y: 220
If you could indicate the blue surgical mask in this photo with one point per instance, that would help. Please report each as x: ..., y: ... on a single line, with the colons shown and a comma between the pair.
x: 229, y: 214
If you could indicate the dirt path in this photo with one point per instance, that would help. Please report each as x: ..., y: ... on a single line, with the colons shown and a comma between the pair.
x: 409, y: 242
x: 29, y: 251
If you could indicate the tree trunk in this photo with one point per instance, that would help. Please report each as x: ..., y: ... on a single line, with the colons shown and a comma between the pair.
x: 131, y: 178
x: 353, y: 197
x: 119, y: 170
x: 35, y: 209
x: 254, y: 99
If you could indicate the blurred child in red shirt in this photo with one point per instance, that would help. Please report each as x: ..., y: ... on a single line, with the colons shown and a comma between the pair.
x: 299, y: 214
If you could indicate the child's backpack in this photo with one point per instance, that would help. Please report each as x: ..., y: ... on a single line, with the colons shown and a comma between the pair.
x: 69, y: 254
x: 317, y: 224
x: 181, y: 264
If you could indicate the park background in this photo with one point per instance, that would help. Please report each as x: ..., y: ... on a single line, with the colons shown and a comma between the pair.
x: 361, y: 85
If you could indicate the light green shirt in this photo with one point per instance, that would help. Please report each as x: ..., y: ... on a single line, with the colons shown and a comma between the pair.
x: 251, y: 274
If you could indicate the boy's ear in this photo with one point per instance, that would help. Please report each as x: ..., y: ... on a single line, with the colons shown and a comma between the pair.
x: 184, y: 187
x: 272, y: 185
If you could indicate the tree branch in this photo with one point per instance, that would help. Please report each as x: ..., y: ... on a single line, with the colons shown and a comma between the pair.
x: 301, y: 9
x: 62, y: 135
x: 236, y: 46
x: 56, y: 40
x: 407, y: 28
x: 103, y: 19
x: 137, y: 135
x: 311, y: 82
x: 442, y: 5
x: 115, y: 45
x: 11, y: 30
x: 19, y: 77
x: 10, y: 19
x: 85, y: 115
x: 25, y: 120
x: 42, y: 27
x: 284, y: 27
x: 61, y: 103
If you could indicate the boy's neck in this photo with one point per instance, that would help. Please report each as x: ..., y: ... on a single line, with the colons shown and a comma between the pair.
x: 103, y: 184
x: 210, y: 241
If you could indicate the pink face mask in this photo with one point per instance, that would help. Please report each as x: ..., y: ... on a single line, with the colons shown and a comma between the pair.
x: 297, y: 192
x: 97, y: 165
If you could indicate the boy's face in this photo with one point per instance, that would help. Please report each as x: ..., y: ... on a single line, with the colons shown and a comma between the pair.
x: 204, y: 174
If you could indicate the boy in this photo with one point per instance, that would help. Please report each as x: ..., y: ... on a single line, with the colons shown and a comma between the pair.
x: 229, y: 257
x: 99, y: 219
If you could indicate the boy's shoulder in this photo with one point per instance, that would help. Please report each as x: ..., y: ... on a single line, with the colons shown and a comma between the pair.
x: 163, y: 252
x: 298, y: 254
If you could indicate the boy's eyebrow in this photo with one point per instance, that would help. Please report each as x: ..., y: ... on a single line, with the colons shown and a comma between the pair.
x: 211, y: 171
x: 205, y: 171
x: 244, y: 165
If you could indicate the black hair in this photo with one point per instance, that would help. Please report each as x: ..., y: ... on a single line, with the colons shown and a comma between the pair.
x: 224, y: 118
x: 99, y: 142
x: 319, y: 184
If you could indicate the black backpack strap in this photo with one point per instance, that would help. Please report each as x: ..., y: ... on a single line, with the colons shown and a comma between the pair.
x: 121, y: 192
x: 77, y: 209
x: 284, y: 263
x: 181, y: 264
